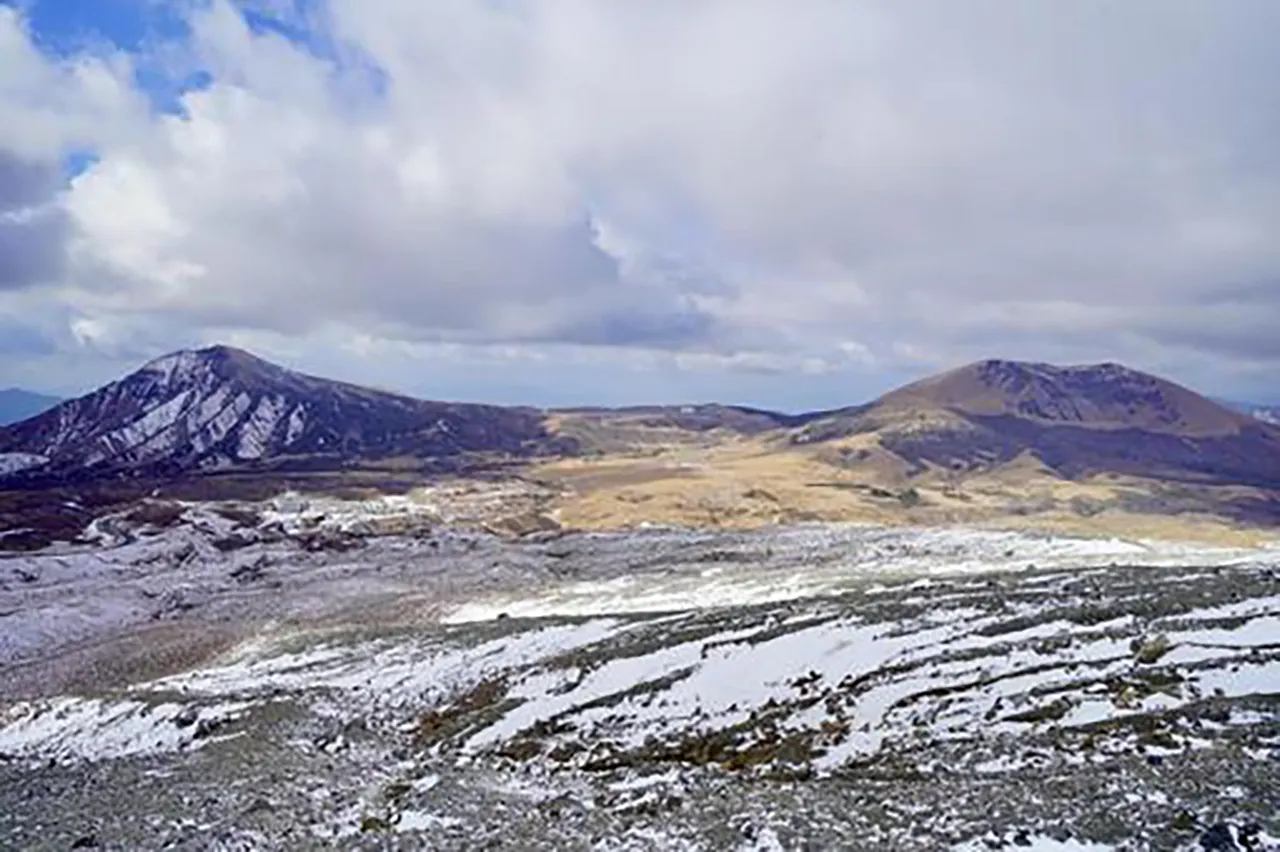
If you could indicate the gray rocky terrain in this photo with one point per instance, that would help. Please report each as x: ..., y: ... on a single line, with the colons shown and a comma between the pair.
x: 281, y: 676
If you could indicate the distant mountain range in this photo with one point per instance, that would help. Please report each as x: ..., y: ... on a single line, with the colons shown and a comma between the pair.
x: 221, y: 409
x: 17, y: 404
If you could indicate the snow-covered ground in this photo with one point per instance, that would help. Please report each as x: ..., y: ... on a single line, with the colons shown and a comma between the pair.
x: 810, y: 687
x: 831, y: 670
x: 308, y: 559
x: 824, y: 559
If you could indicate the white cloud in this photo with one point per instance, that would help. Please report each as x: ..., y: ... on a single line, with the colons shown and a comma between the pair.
x: 746, y: 184
x: 48, y: 106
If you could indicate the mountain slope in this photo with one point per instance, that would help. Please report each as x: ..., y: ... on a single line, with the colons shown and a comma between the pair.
x: 17, y: 404
x: 1101, y: 396
x: 220, y: 407
x: 1076, y: 421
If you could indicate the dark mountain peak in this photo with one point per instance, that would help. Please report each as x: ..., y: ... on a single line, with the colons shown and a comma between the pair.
x: 213, y: 363
x: 221, y: 407
x: 223, y: 350
x: 229, y: 359
x: 207, y: 357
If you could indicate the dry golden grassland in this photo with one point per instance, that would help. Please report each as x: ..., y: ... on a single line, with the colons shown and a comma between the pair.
x: 738, y: 482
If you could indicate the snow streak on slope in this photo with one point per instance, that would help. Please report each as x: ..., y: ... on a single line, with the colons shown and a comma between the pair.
x: 14, y: 462
x: 951, y: 697
x: 257, y: 430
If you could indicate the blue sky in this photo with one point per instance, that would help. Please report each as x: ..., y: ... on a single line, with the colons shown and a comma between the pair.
x: 144, y: 29
x: 603, y: 201
x: 65, y: 26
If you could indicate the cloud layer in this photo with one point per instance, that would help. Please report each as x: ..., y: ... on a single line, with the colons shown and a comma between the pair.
x: 724, y: 185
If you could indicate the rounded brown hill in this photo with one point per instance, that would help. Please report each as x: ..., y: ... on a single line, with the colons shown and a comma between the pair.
x: 1099, y: 396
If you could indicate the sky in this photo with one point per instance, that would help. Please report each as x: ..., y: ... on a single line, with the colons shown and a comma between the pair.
x: 555, y: 202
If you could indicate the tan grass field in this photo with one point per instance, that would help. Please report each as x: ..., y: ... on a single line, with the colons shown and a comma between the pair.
x: 743, y: 482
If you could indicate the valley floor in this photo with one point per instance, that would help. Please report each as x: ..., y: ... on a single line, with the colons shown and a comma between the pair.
x: 201, y: 685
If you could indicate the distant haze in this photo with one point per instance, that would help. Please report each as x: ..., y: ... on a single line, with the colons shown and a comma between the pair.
x: 18, y: 404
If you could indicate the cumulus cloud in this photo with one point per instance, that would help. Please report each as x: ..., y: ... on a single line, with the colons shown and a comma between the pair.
x: 742, y: 184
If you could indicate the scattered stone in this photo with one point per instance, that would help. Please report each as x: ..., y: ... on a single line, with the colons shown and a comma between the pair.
x: 187, y: 717
x: 374, y: 825
x: 1218, y: 839
x: 523, y: 525
x: 1149, y: 650
x: 234, y: 541
x: 252, y: 571
x: 258, y: 806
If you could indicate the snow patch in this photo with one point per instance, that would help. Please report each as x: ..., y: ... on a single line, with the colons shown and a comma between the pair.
x: 1038, y: 843
x: 260, y: 426
x: 423, y: 821
x: 297, y: 422
x: 153, y: 431
x: 74, y: 729
x: 175, y: 367
x: 11, y: 463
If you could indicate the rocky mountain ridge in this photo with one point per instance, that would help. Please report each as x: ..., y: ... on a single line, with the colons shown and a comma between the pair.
x: 218, y: 408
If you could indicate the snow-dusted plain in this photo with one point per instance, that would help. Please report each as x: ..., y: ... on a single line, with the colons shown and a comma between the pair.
x: 305, y: 559
x: 286, y: 683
